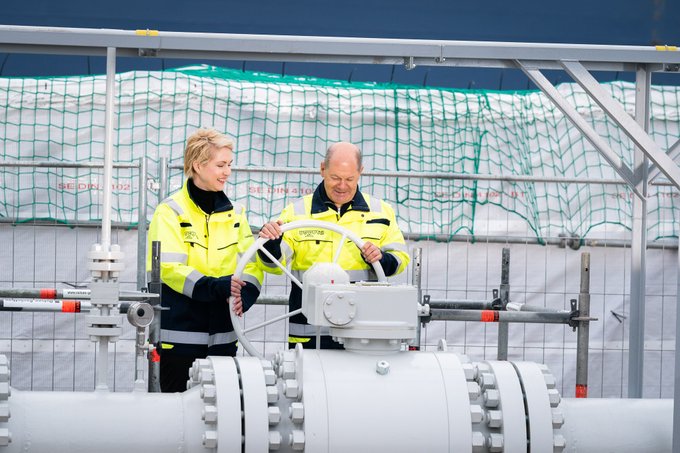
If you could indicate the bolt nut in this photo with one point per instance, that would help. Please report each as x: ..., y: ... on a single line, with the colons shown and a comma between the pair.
x: 209, y: 414
x: 289, y: 355
x: 473, y: 390
x: 296, y: 411
x: 208, y: 393
x: 297, y: 440
x: 269, y: 377
x: 494, y: 419
x: 559, y: 442
x: 487, y: 380
x: 272, y: 394
x: 382, y: 367
x: 470, y: 371
x: 557, y: 418
x: 266, y: 364
x: 5, y: 437
x: 550, y: 380
x: 210, y: 439
x: 291, y: 388
x: 495, y: 442
x: 275, y: 440
x: 483, y: 367
x: 554, y: 397
x: 287, y: 370
x: 206, y: 375
x: 478, y: 442
x: 491, y: 398
x: 4, y: 373
x: 4, y: 412
x: 274, y: 415
x: 476, y: 413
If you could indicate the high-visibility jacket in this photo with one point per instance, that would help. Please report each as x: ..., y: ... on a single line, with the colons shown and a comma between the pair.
x: 199, y: 253
x: 370, y: 218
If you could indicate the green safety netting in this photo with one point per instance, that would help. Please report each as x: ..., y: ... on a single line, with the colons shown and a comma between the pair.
x: 288, y: 122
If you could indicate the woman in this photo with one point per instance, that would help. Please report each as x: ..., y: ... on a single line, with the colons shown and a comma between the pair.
x: 201, y: 234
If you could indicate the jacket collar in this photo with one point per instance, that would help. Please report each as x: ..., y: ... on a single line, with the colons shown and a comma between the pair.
x: 222, y: 202
x: 321, y: 202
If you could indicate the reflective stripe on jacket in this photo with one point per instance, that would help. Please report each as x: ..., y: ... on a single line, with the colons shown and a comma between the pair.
x: 195, y: 245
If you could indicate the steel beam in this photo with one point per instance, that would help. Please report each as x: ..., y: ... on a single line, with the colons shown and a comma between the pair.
x: 320, y: 49
x: 636, y: 334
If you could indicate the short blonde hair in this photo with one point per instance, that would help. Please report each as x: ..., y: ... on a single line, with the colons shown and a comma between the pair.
x: 200, y: 146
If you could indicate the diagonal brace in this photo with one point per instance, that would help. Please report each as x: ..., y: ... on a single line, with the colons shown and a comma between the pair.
x: 581, y: 124
x: 629, y: 126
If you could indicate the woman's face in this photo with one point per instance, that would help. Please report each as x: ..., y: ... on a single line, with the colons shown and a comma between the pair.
x: 213, y: 174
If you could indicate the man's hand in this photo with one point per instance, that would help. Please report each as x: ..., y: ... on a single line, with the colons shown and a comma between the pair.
x: 371, y: 252
x: 236, y: 285
x: 271, y: 230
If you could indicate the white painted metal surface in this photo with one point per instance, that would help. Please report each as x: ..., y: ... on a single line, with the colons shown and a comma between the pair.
x: 337, y: 402
x: 258, y: 245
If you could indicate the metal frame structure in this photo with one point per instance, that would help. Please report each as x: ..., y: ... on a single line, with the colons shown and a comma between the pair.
x: 576, y: 60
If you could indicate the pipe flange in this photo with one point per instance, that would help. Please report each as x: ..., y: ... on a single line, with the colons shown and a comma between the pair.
x: 550, y: 382
x: 202, y: 374
x: 5, y: 391
x: 271, y: 380
x: 4, y: 378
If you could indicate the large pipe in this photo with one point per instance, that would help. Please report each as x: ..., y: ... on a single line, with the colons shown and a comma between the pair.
x: 338, y: 401
x: 618, y: 425
x: 104, y: 422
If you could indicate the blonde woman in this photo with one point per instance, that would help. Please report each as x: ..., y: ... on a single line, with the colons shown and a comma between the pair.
x: 202, y: 234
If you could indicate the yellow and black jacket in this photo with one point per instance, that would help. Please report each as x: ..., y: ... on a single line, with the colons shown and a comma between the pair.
x: 199, y: 253
x: 370, y: 218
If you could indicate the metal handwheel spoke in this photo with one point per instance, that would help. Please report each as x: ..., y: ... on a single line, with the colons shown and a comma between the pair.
x: 337, y: 252
x: 273, y: 320
x: 281, y: 266
x: 258, y: 245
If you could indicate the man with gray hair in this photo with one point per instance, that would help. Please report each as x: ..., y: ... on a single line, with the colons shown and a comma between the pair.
x: 337, y: 200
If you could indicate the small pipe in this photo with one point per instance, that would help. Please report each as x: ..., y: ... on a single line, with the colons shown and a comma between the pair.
x: 64, y: 306
x: 582, y: 337
x: 68, y: 293
x: 416, y: 280
x: 155, y: 287
x: 141, y: 226
x: 504, y: 293
x: 559, y: 317
x: 461, y: 304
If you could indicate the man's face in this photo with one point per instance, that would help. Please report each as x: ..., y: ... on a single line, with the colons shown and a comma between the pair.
x: 341, y: 178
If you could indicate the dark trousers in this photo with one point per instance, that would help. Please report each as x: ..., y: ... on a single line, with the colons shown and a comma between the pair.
x: 174, y: 369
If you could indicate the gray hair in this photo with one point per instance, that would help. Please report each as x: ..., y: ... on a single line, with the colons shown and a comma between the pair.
x: 331, y: 150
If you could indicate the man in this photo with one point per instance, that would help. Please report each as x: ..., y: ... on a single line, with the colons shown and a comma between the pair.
x: 338, y: 200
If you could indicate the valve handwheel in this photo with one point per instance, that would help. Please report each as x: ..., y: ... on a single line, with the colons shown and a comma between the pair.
x: 258, y: 245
